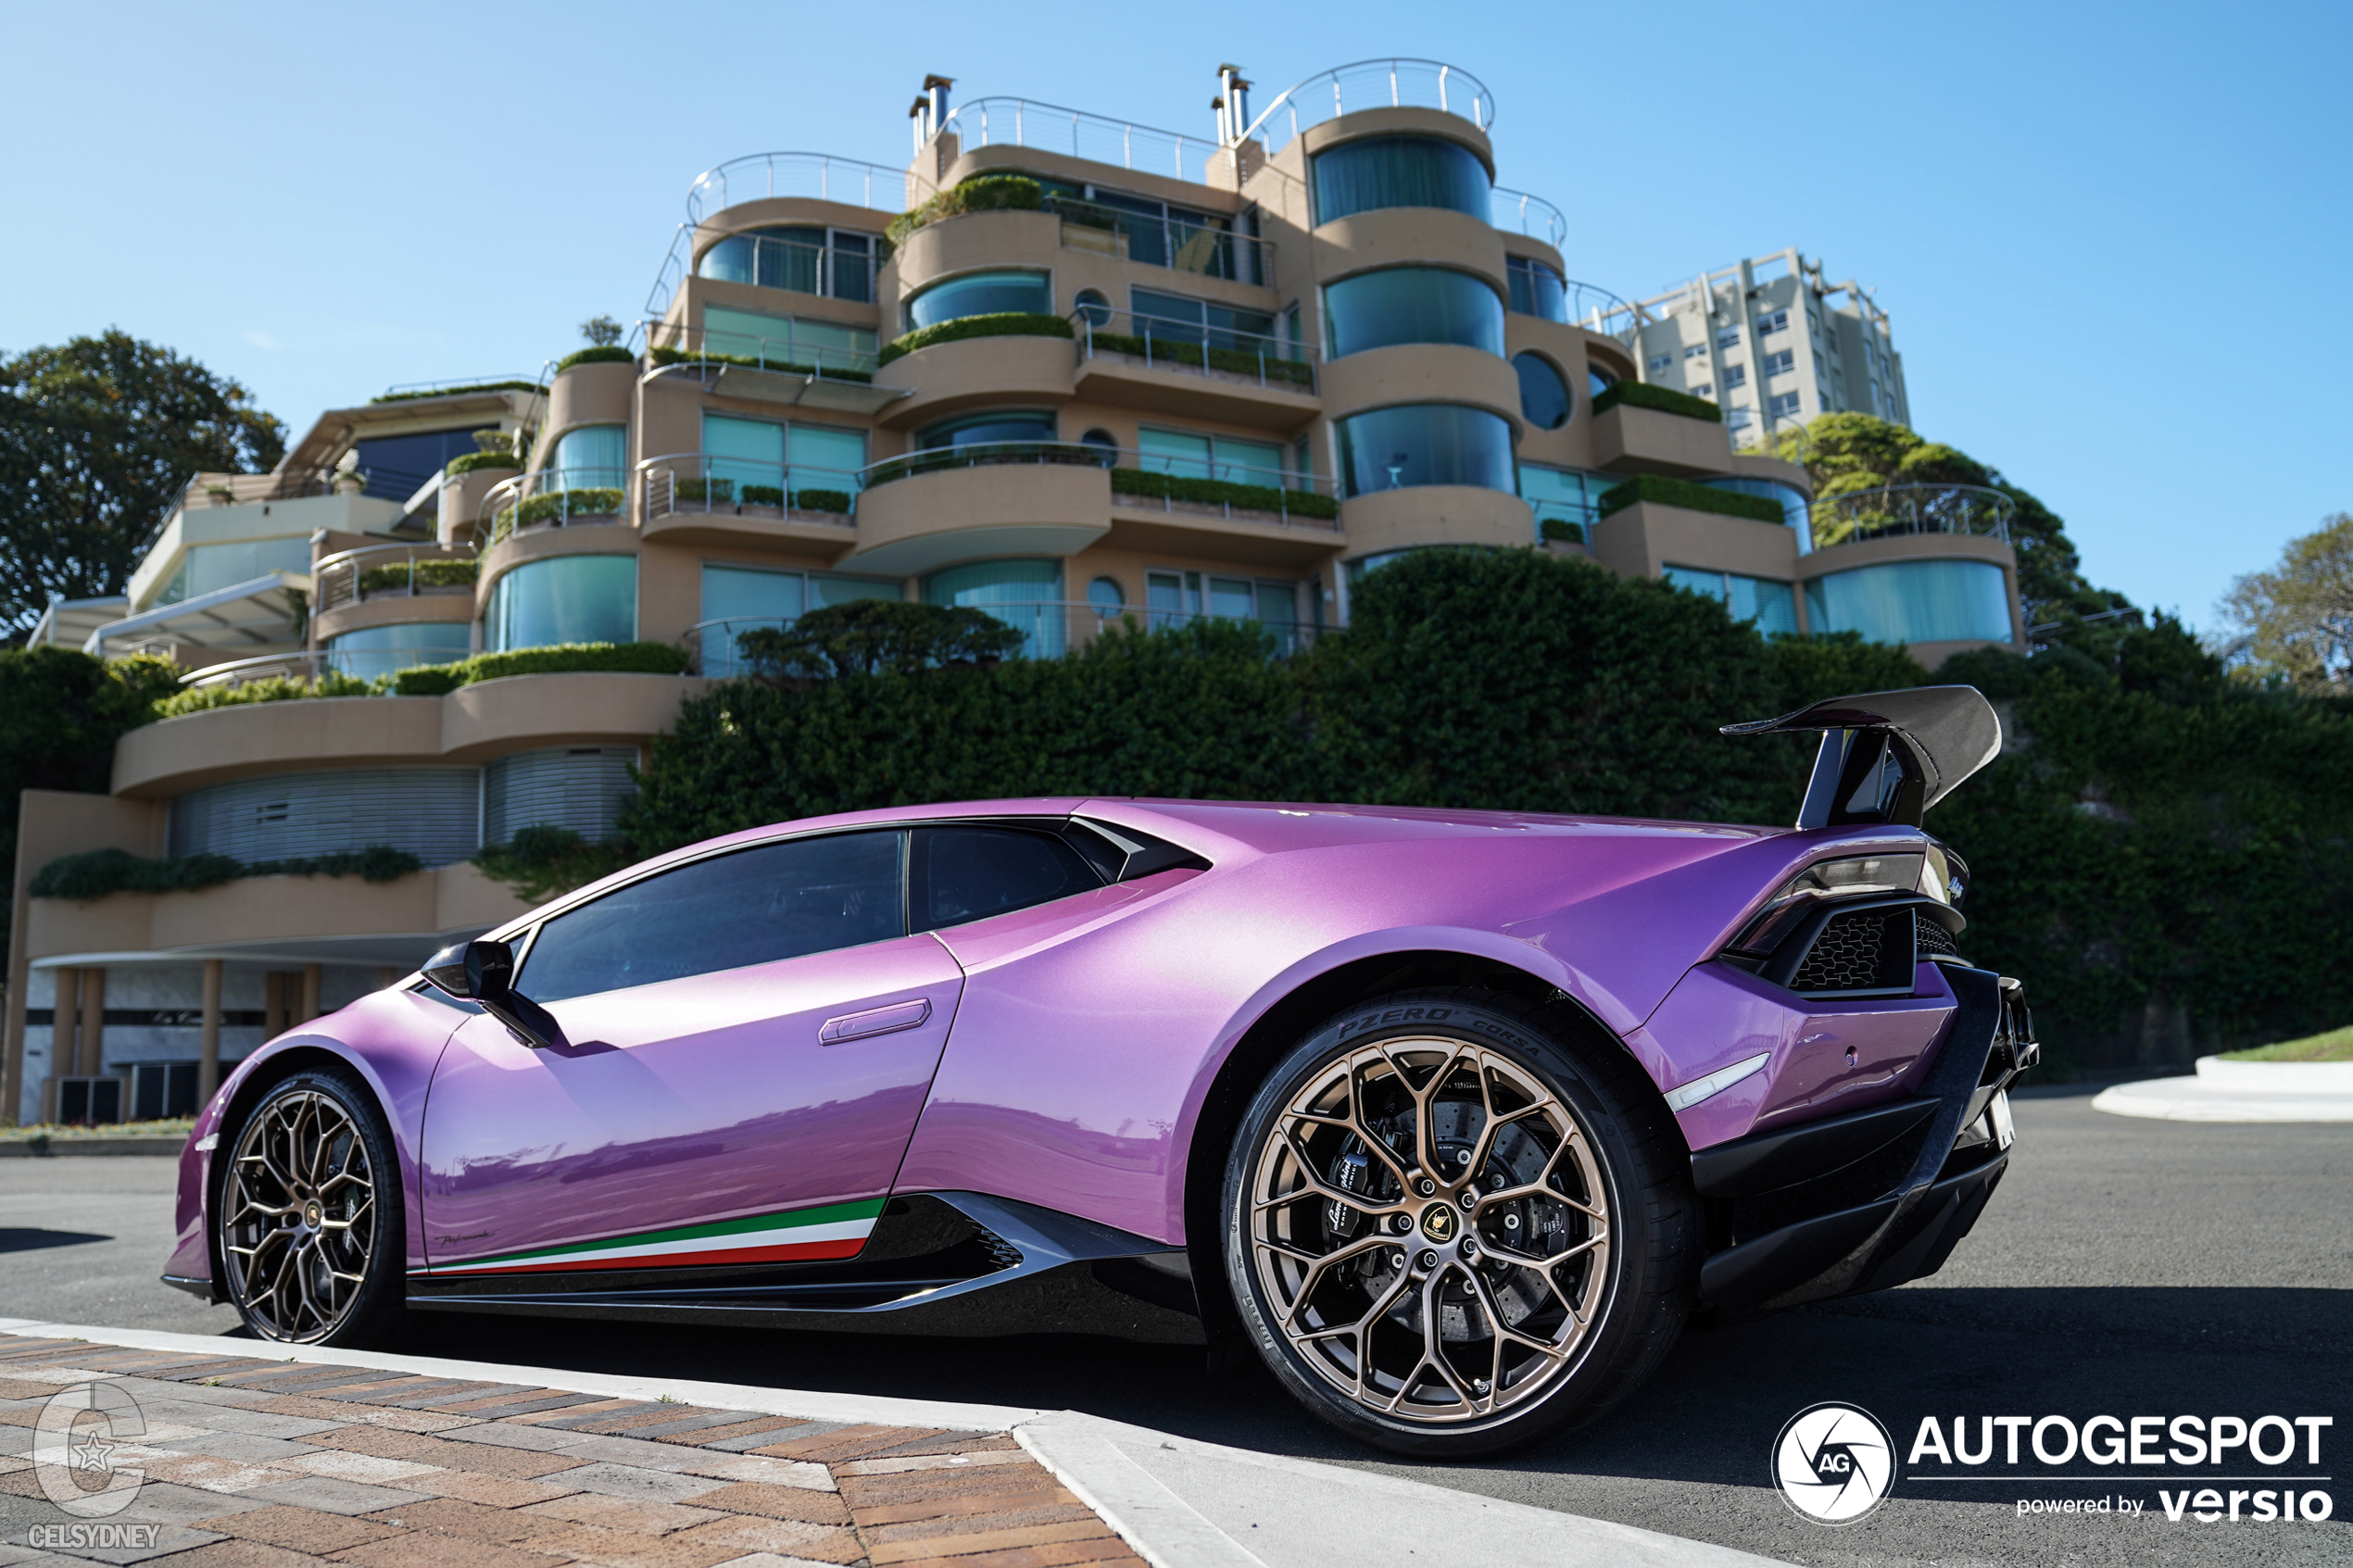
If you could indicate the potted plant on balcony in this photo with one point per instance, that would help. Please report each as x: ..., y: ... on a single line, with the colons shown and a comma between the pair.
x: 351, y: 482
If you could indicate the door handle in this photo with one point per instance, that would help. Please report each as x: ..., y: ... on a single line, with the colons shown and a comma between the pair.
x: 875, y: 1020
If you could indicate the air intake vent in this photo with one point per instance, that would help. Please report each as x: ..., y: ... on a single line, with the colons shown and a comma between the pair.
x: 1847, y: 956
x: 1935, y: 942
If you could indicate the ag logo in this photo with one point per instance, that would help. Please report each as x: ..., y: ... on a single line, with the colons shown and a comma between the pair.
x: 1833, y: 1463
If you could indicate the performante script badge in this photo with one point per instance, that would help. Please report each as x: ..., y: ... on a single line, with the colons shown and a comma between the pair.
x: 1438, y: 1222
x: 1833, y: 1463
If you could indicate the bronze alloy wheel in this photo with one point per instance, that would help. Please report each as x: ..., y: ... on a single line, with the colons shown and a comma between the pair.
x: 1430, y: 1225
x: 300, y: 1220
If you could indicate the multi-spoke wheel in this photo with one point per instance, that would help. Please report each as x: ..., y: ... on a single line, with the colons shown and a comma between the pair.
x: 1445, y: 1232
x: 308, y: 1215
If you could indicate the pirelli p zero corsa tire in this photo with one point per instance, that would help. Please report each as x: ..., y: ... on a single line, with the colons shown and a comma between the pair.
x: 308, y: 1229
x: 1456, y: 1222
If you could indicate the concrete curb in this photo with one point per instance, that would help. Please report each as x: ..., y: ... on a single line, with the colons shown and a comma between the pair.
x: 2240, y: 1091
x: 50, y: 1149
x: 1179, y: 1502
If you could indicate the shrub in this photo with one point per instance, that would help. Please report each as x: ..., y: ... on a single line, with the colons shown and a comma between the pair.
x: 982, y: 193
x: 1559, y: 530
x: 593, y: 501
x: 718, y: 492
x: 596, y: 354
x: 470, y: 462
x: 869, y: 635
x: 444, y: 573
x: 273, y: 688
x: 824, y: 501
x: 544, y: 862
x: 434, y: 680
x: 1216, y: 492
x: 999, y: 323
x: 1242, y: 362
x: 764, y: 495
x: 1683, y: 493
x: 460, y: 391
x: 1641, y: 395
x: 98, y: 872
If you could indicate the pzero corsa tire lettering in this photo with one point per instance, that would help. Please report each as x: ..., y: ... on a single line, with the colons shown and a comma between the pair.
x: 308, y: 1228
x: 1455, y: 1221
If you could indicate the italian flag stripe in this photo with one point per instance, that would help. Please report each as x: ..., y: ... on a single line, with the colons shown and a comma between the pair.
x: 837, y: 1230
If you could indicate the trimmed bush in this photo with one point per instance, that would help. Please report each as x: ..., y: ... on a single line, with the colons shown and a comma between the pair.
x: 1241, y: 363
x: 1219, y: 492
x: 428, y: 574
x: 717, y: 492
x: 98, y: 872
x: 458, y: 391
x: 434, y: 680
x: 865, y: 636
x: 1560, y: 531
x: 601, y: 354
x: 273, y: 688
x: 764, y: 495
x: 824, y: 501
x: 1693, y: 497
x: 996, y: 323
x: 469, y: 462
x: 982, y: 193
x: 592, y: 501
x: 1641, y: 395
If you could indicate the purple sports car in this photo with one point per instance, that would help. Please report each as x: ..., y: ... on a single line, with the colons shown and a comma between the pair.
x: 1453, y: 1116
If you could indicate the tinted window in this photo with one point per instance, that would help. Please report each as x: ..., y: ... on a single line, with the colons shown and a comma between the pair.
x: 1386, y: 171
x: 755, y: 905
x: 964, y: 873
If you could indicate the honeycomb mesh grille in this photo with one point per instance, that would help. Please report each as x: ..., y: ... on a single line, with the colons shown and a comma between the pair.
x: 1933, y: 939
x: 1845, y: 957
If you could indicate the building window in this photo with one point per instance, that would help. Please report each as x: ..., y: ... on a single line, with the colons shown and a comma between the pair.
x: 1176, y: 317
x: 434, y: 813
x: 1728, y: 337
x: 1760, y: 600
x: 1094, y: 307
x: 1705, y: 389
x: 1175, y: 599
x: 1536, y: 288
x: 1696, y: 351
x: 207, y: 568
x: 1914, y: 601
x: 1391, y: 171
x: 1144, y: 230
x: 1191, y: 455
x: 997, y: 424
x: 1779, y: 363
x: 579, y: 787
x: 1791, y: 500
x: 1735, y: 375
x: 981, y: 293
x: 563, y: 600
x: 764, y: 461
x: 1598, y: 382
x: 1784, y: 405
x: 787, y: 343
x: 593, y: 457
x: 1021, y: 593
x: 1661, y: 362
x: 736, y: 599
x: 1411, y: 304
x: 1543, y: 395
x: 835, y: 262
x: 1105, y: 597
x: 1425, y: 444
x: 379, y: 650
x: 1564, y: 495
x: 1773, y: 323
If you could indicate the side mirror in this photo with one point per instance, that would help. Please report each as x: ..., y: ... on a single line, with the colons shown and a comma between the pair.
x: 483, y: 972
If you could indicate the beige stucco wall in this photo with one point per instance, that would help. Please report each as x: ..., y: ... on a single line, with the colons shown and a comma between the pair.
x: 393, y: 610
x: 1393, y: 122
x: 928, y: 521
x: 978, y: 372
x: 578, y: 538
x: 1409, y: 236
x: 1647, y: 441
x: 1643, y: 539
x: 1421, y: 372
x: 594, y: 394
x: 1435, y: 514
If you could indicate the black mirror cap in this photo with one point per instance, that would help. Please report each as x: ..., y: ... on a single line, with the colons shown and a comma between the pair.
x: 478, y: 970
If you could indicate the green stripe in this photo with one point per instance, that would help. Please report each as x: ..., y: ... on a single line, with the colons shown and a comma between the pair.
x: 790, y: 1219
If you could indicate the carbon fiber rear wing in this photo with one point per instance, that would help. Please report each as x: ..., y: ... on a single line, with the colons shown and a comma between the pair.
x: 1887, y: 756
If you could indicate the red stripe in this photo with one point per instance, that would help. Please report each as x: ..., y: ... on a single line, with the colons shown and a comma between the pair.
x: 794, y: 1251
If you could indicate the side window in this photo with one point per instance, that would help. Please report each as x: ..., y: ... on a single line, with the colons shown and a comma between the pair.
x: 962, y: 873
x: 756, y: 906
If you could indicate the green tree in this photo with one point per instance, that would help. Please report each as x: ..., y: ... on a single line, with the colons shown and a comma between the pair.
x: 2296, y: 621
x: 97, y: 439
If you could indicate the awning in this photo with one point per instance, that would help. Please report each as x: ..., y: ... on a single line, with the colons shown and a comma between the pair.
x: 67, y: 624
x: 247, y: 616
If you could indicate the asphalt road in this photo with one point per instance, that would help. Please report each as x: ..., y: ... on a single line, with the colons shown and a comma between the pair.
x: 2125, y: 1267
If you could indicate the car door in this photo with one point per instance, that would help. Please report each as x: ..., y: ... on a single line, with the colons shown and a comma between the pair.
x: 747, y: 1040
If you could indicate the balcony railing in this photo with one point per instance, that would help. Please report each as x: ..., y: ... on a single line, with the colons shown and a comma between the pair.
x: 1373, y: 84
x: 1192, y: 347
x: 1022, y: 122
x: 391, y: 571
x: 1532, y: 215
x: 1597, y: 310
x: 768, y: 262
x: 683, y: 483
x: 816, y: 175
x: 789, y: 353
x: 1200, y: 248
x: 242, y: 489
x: 1913, y: 508
x: 988, y: 453
x: 268, y: 666
x: 558, y: 498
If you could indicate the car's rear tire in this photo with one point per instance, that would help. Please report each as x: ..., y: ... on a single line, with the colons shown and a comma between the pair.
x: 308, y: 1229
x: 1558, y: 1202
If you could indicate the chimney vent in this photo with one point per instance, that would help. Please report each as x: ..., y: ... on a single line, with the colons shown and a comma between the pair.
x: 1232, y: 105
x: 930, y: 110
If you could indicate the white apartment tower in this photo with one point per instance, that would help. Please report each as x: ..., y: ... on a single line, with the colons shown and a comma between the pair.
x: 1774, y: 343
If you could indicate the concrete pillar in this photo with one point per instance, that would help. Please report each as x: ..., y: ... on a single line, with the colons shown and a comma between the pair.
x: 64, y: 1036
x: 93, y: 1055
x: 309, y: 993
x: 208, y: 1046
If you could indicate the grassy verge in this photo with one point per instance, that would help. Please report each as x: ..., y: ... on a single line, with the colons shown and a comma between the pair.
x: 174, y: 1126
x: 2334, y: 1046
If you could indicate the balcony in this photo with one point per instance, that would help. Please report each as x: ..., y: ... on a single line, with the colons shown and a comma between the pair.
x: 1371, y: 84
x: 1516, y: 212
x: 690, y: 495
x: 554, y: 498
x: 1897, y: 511
x: 1191, y: 369
x: 393, y: 571
x: 795, y: 368
x: 1203, y: 249
x: 932, y: 508
x: 809, y: 176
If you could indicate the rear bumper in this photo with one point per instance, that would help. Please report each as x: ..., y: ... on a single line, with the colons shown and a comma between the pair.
x: 1862, y: 1202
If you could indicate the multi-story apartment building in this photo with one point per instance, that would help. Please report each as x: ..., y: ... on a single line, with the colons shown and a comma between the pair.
x: 1774, y: 343
x: 1060, y: 368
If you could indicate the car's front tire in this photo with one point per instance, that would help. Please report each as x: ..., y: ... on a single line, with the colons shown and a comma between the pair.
x: 307, y: 1226
x: 1455, y: 1221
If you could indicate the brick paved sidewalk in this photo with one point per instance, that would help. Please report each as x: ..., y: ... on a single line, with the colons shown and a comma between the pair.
x: 256, y: 1463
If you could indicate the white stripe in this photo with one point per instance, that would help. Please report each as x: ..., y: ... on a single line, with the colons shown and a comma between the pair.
x: 844, y: 1230
x: 1716, y: 1081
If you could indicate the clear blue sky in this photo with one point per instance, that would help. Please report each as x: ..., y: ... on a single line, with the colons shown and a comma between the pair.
x: 2112, y: 237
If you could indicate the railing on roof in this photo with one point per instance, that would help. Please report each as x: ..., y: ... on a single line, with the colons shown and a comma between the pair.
x: 1373, y: 84
x: 1022, y: 122
x: 817, y: 176
x: 241, y: 489
x: 1596, y: 309
x: 1913, y: 508
x: 1525, y: 214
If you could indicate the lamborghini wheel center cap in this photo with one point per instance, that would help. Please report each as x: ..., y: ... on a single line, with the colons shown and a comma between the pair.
x: 1438, y: 1221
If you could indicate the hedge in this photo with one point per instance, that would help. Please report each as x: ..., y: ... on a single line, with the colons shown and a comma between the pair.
x: 996, y: 323
x: 273, y: 688
x: 428, y: 574
x: 1641, y: 395
x: 1560, y: 531
x: 433, y: 679
x: 683, y: 356
x: 460, y: 391
x: 1241, y: 363
x: 1215, y: 492
x: 1693, y: 497
x: 591, y: 501
x: 982, y: 193
x: 472, y: 460
x: 98, y: 872
x: 720, y: 492
x: 602, y: 354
